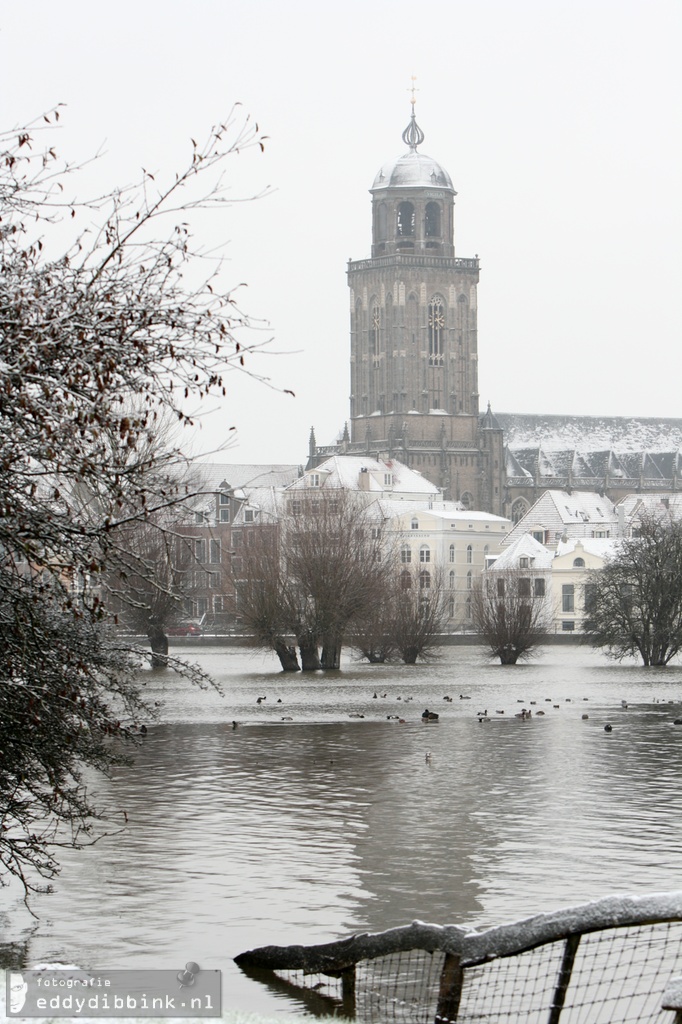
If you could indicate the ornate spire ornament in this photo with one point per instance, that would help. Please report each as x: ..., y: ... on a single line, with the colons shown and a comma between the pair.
x: 413, y: 136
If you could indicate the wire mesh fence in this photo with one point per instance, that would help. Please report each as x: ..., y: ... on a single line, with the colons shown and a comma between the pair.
x: 608, y: 962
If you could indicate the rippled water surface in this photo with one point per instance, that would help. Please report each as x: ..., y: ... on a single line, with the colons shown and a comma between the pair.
x: 303, y: 823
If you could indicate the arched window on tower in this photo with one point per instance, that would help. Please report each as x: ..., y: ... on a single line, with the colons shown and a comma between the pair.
x: 432, y: 221
x: 374, y: 334
x: 412, y: 318
x: 436, y: 325
x: 405, y: 226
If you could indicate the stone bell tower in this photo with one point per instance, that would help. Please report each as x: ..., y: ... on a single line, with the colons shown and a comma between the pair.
x: 414, y: 355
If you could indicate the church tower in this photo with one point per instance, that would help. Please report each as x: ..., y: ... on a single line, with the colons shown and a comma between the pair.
x: 414, y: 356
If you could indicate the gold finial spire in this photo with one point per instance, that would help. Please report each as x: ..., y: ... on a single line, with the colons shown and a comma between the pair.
x: 413, y: 89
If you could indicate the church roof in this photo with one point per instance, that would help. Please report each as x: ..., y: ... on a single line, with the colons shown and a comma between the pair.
x: 590, y: 433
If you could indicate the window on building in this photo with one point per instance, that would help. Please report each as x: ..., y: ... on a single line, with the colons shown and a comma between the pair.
x: 470, y: 554
x: 223, y: 499
x: 518, y: 510
x: 523, y: 562
x: 414, y: 525
x: 451, y: 608
x: 405, y: 553
x: 214, y: 580
x: 424, y: 553
x: 451, y: 579
x: 314, y: 479
x: 200, y: 549
x: 470, y: 580
x: 224, y: 514
x: 215, y: 551
x: 249, y: 515
x: 568, y: 597
x: 452, y: 552
x: 217, y: 604
x: 424, y: 579
x: 500, y: 588
x: 202, y: 606
x: 405, y: 580
x: 436, y: 330
x: 524, y: 586
x: 590, y: 597
x: 578, y: 563
x: 539, y: 586
x: 375, y: 334
x: 236, y: 538
x: 568, y: 626
x: 388, y: 479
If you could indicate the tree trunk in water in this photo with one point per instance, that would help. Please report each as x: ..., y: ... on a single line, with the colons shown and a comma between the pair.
x: 410, y: 656
x: 508, y: 656
x: 159, y: 645
x: 287, y: 656
x: 374, y: 657
x: 331, y: 653
x: 310, y: 658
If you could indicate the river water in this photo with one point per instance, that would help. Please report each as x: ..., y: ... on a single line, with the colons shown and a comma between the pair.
x: 304, y: 823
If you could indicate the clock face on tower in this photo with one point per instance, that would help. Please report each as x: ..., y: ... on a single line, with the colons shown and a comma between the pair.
x: 436, y: 319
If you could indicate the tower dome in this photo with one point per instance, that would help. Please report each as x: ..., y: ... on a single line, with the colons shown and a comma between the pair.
x: 412, y: 169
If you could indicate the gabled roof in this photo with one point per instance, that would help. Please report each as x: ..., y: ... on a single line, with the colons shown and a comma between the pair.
x: 525, y: 546
x: 559, y: 512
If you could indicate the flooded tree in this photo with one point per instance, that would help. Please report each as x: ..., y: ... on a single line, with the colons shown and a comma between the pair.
x: 634, y: 601
x: 325, y: 571
x: 100, y: 332
x: 509, y: 614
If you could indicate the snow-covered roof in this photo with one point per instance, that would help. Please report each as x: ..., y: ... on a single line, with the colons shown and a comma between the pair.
x: 601, y: 547
x: 620, y: 434
x: 633, y: 505
x: 525, y: 546
x: 559, y: 512
x: 363, y: 473
x: 246, y: 476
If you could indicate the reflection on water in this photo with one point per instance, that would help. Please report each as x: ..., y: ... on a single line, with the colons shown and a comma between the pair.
x: 300, y: 831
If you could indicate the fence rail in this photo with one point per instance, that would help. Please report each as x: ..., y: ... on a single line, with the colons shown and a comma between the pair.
x: 612, y: 961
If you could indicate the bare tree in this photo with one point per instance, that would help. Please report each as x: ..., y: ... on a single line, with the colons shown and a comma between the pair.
x: 325, y: 572
x: 90, y: 328
x: 635, y: 601
x: 263, y: 597
x: 508, y: 616
x: 418, y: 615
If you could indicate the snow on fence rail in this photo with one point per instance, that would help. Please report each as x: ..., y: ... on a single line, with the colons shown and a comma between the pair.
x: 612, y: 961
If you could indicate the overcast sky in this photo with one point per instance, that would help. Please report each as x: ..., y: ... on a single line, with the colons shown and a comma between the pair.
x: 559, y: 123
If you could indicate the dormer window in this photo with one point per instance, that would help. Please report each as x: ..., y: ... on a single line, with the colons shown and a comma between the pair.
x: 314, y: 479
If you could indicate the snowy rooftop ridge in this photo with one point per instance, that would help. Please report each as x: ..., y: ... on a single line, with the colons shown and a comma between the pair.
x: 554, y: 433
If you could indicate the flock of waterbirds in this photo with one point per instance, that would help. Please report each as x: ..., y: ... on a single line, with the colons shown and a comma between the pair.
x: 428, y: 716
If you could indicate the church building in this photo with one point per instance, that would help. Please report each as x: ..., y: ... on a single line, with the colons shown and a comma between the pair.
x: 414, y: 370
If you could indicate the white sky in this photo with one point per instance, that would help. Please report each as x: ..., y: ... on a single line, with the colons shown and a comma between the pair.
x: 559, y: 123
